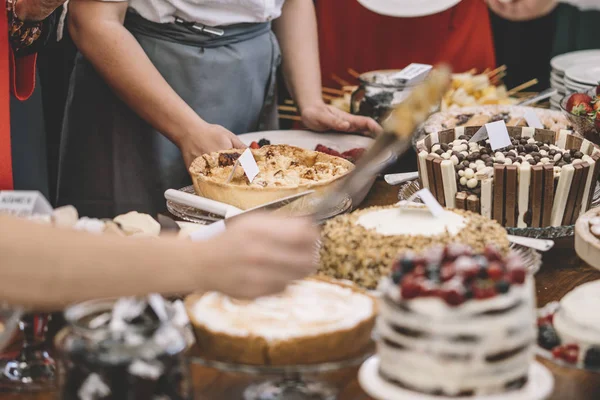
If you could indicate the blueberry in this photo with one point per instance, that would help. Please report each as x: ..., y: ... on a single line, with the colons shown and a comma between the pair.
x: 397, y: 276
x: 433, y: 272
x: 502, y: 286
x: 407, y: 265
x: 592, y: 358
x: 547, y: 337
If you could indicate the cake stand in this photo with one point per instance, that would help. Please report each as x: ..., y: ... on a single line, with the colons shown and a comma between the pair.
x: 191, y: 214
x: 551, y: 232
x: 286, y: 382
x: 538, y: 387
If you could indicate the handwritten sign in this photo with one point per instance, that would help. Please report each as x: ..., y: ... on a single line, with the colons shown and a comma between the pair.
x: 498, y: 134
x: 24, y: 203
x: 249, y: 165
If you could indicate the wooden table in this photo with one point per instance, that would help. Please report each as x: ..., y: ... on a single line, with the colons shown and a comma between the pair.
x: 561, y: 272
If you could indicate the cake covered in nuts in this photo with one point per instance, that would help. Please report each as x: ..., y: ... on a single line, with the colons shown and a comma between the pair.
x: 541, y: 179
x: 463, y: 321
x: 361, y: 246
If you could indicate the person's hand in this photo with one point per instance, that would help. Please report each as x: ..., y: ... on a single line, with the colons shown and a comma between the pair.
x: 260, y: 254
x: 36, y: 10
x: 206, y: 140
x: 522, y: 10
x: 322, y: 117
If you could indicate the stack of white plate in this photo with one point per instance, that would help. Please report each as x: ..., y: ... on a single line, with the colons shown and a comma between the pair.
x: 573, y: 72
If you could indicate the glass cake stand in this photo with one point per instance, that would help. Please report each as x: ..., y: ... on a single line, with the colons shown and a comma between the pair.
x: 191, y: 214
x: 551, y: 232
x: 287, y: 382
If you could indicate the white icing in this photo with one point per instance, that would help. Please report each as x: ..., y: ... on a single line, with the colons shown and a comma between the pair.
x: 486, y: 197
x: 578, y: 318
x: 527, y: 132
x: 412, y: 221
x: 561, y: 141
x: 588, y: 184
x: 449, y: 183
x: 423, y: 168
x: 305, y: 308
x: 562, y: 194
x: 523, y: 199
x: 135, y: 223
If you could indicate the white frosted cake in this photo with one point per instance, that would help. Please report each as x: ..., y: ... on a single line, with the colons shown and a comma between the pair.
x: 456, y: 324
x: 571, y: 328
x: 312, y: 321
x: 361, y: 246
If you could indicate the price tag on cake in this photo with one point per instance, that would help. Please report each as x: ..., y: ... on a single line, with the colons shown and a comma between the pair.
x: 249, y: 165
x: 432, y: 204
x: 533, y: 121
x: 498, y: 135
x: 24, y: 203
x: 414, y: 73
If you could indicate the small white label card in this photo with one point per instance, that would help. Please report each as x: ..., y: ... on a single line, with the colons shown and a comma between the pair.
x: 249, y: 165
x: 481, y: 134
x: 414, y: 73
x: 498, y: 134
x: 24, y: 203
x: 533, y: 121
x: 432, y: 204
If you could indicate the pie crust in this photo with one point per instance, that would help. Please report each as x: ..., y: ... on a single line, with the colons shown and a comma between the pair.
x: 252, y: 349
x: 284, y: 171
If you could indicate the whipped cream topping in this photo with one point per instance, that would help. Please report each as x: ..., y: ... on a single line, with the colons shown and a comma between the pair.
x: 138, y: 224
x: 305, y: 308
x: 412, y: 221
x: 578, y: 319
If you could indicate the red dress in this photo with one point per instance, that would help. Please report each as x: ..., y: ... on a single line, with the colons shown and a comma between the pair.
x: 351, y: 36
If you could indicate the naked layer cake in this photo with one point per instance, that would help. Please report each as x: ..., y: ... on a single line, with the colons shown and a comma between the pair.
x: 571, y: 328
x: 542, y: 179
x: 314, y: 320
x: 361, y: 246
x: 456, y: 323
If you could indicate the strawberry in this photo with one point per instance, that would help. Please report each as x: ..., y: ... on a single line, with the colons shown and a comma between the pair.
x: 597, y: 120
x: 576, y: 100
x: 327, y: 150
x: 353, y: 155
x: 598, y: 90
x: 254, y: 145
x: 495, y: 271
x: 410, y: 288
x: 596, y: 103
x: 582, y: 109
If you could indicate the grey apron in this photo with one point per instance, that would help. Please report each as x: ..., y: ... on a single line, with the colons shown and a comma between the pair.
x: 113, y: 162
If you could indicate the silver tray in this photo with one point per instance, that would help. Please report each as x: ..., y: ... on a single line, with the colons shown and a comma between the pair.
x: 550, y: 232
x: 191, y: 214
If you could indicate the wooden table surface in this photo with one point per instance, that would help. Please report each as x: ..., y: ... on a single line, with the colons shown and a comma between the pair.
x: 561, y: 272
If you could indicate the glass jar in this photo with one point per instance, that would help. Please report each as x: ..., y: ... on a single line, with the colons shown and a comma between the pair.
x: 378, y: 92
x: 141, y: 360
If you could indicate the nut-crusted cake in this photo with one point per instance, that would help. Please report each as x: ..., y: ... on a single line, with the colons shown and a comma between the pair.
x: 571, y: 328
x: 312, y: 321
x: 362, y: 245
x: 542, y: 179
x: 456, y: 323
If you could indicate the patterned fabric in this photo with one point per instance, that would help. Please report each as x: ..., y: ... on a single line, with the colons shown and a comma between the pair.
x: 22, y: 35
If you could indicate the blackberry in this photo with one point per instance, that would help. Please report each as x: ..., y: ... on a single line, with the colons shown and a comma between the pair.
x: 397, y: 276
x: 592, y: 358
x: 264, y: 142
x: 407, y: 265
x: 547, y: 337
x: 502, y: 286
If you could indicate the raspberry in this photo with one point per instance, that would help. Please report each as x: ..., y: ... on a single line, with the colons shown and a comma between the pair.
x: 491, y: 253
x: 453, y: 297
x: 410, y: 289
x: 495, y: 271
x: 571, y: 355
x: 557, y: 352
x: 448, y: 272
x: 517, y: 275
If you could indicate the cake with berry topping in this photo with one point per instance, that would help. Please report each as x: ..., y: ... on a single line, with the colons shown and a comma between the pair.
x: 587, y: 237
x: 541, y: 179
x: 361, y: 246
x: 570, y: 329
x: 456, y: 323
x: 314, y: 320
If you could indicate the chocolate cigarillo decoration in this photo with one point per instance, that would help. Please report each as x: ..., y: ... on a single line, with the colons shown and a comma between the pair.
x: 542, y: 179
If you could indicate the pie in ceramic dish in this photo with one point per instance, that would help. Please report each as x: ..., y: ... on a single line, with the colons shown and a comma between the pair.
x: 283, y: 171
x: 314, y: 320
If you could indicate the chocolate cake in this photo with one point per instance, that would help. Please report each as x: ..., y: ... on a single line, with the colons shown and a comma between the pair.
x: 542, y: 179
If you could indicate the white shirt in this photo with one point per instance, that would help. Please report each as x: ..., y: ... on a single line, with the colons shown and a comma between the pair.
x: 208, y: 12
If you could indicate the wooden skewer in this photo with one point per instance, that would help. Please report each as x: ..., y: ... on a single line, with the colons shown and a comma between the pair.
x: 522, y: 87
x: 332, y: 91
x: 289, y: 101
x: 498, y: 78
x: 339, y: 80
x: 473, y: 71
x: 290, y: 117
x: 353, y: 72
x: 485, y: 71
x: 288, y: 108
x: 496, y: 71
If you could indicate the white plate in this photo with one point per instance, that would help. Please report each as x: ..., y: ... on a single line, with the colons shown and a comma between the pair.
x: 538, y: 387
x: 587, y: 73
x: 562, y: 62
x: 408, y: 8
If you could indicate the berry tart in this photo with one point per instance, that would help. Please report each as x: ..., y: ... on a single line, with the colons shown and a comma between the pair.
x: 570, y: 329
x: 542, y: 179
x: 283, y: 171
x: 463, y: 322
x: 314, y: 320
x: 361, y: 246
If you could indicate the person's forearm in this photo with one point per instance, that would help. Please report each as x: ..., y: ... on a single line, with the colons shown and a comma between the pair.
x: 296, y: 31
x: 122, y: 62
x: 45, y: 268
